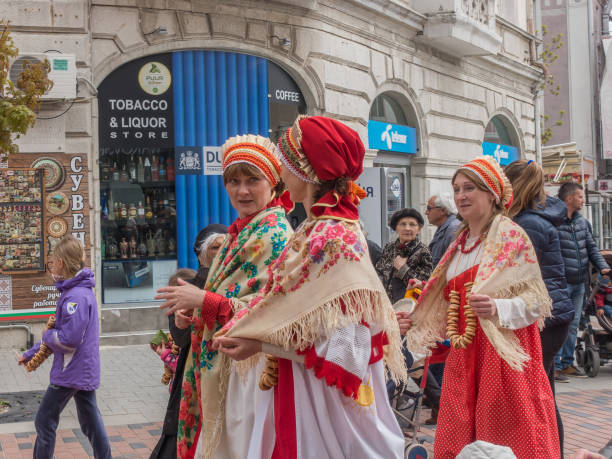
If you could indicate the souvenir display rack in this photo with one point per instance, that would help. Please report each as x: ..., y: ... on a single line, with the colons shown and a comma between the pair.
x: 22, y: 232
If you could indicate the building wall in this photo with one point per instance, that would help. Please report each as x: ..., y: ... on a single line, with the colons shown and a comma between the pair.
x: 341, y: 53
x: 575, y: 71
x: 554, y: 17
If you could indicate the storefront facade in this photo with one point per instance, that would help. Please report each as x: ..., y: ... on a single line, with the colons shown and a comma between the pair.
x: 343, y: 59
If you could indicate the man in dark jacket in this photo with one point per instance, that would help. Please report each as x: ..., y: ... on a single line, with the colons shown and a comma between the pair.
x: 577, y: 249
x: 441, y: 212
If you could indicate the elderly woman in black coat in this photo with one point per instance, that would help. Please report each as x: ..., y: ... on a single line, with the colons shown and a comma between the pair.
x: 540, y: 216
x: 405, y: 258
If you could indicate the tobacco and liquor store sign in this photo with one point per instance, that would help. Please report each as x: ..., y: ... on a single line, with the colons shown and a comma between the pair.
x: 136, y: 105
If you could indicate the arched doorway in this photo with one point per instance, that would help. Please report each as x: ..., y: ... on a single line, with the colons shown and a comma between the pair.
x: 393, y: 132
x: 162, y: 120
x: 501, y: 140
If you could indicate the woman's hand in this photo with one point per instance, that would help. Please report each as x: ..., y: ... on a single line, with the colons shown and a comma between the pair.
x: 22, y: 360
x: 404, y: 321
x: 415, y: 283
x: 237, y: 348
x: 399, y: 262
x: 182, y: 319
x: 483, y: 305
x: 185, y: 296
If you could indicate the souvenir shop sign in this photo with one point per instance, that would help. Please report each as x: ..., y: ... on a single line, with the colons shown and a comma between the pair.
x: 65, y: 210
x: 136, y: 105
x: 21, y: 221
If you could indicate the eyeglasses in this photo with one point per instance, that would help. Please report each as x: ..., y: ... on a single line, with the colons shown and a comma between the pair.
x: 432, y: 207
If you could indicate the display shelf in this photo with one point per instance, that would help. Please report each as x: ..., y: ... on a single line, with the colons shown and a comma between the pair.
x: 124, y: 222
x: 105, y: 185
x: 138, y: 260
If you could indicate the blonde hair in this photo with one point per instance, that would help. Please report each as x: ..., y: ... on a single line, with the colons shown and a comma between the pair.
x: 497, y: 206
x: 70, y: 251
x: 185, y: 274
x: 527, y: 181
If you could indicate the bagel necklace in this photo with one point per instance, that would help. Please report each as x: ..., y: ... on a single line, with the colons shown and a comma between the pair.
x: 459, y: 341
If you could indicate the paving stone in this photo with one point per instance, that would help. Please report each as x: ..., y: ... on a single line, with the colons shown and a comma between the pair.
x: 25, y: 446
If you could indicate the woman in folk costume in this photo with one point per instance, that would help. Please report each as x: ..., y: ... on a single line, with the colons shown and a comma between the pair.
x: 486, y: 295
x: 324, y: 318
x: 251, y: 173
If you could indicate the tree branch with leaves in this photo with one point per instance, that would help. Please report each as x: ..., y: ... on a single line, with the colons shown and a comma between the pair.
x: 546, y: 58
x: 20, y: 100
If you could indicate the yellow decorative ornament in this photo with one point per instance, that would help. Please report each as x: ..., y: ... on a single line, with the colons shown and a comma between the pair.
x: 365, y: 395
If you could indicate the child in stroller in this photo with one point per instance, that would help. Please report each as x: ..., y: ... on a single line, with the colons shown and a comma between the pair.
x: 594, y: 346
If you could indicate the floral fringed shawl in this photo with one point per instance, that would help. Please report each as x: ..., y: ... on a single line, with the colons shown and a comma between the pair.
x: 238, y: 272
x: 323, y: 281
x: 508, y: 268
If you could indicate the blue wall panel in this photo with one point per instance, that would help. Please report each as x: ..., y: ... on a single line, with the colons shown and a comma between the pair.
x: 216, y: 95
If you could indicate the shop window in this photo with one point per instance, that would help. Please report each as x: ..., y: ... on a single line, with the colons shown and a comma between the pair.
x: 386, y: 109
x: 137, y: 180
x: 138, y: 222
x: 498, y: 131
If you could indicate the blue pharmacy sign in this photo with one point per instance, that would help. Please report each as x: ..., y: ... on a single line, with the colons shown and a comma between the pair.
x: 391, y: 137
x: 503, y: 154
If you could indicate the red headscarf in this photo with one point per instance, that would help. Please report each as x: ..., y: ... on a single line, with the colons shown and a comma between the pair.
x: 333, y: 150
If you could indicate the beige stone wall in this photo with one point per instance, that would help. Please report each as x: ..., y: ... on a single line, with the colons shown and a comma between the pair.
x: 342, y: 53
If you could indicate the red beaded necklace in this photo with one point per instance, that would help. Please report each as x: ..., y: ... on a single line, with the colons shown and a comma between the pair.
x: 464, y: 240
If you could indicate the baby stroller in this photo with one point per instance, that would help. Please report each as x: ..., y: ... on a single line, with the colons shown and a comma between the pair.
x: 407, y: 400
x: 594, y: 346
x: 407, y: 403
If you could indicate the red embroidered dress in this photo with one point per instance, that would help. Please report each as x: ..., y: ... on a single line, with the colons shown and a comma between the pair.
x: 483, y: 398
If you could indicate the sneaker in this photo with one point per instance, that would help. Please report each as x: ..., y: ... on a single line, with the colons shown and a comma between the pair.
x: 574, y: 371
x: 560, y: 377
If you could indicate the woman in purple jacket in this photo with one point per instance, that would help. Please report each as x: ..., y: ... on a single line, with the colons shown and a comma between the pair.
x: 76, y: 355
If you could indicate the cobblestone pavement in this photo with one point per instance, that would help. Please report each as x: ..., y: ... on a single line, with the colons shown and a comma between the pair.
x: 132, y: 401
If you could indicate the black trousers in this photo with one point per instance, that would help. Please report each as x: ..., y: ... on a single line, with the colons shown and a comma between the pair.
x: 552, y: 339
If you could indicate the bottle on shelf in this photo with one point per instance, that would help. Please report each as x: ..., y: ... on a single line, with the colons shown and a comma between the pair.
x: 170, y: 168
x: 124, y: 211
x: 148, y: 210
x: 110, y: 206
x: 141, y: 213
x: 155, y: 169
x: 162, y: 168
x: 124, y: 175
x: 132, y: 169
x: 115, y: 171
x: 117, y: 211
x: 150, y: 245
x: 105, y: 168
x: 140, y: 170
x: 104, y: 206
x: 133, y: 211
x: 147, y: 169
